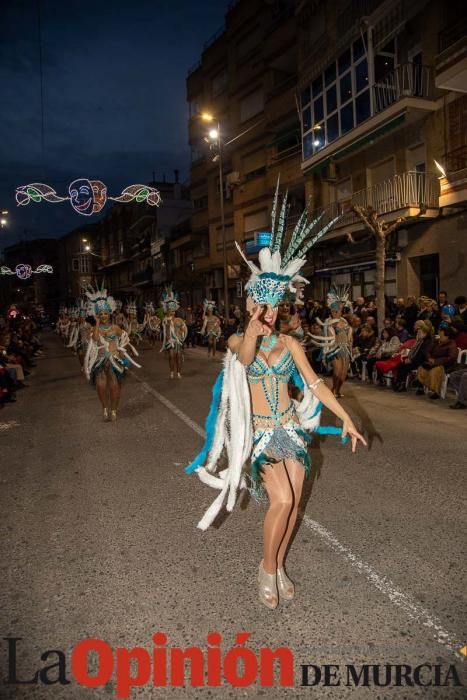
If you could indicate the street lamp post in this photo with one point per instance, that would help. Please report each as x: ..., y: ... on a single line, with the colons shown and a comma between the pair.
x: 224, y: 242
x: 215, y: 135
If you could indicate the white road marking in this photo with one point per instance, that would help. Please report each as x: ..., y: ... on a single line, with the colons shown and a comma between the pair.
x: 7, y: 426
x: 186, y: 419
x: 413, y: 610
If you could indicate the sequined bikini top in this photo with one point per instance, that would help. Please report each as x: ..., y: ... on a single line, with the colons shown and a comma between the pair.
x: 282, y: 370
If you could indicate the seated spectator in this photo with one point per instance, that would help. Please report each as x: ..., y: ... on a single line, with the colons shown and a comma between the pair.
x: 458, y: 381
x: 385, y: 348
x: 416, y: 355
x: 390, y: 365
x: 401, y: 331
x: 364, y: 347
x: 441, y: 357
x: 429, y: 312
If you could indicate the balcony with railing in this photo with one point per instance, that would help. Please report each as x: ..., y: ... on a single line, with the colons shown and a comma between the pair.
x: 454, y: 184
x: 404, y: 195
x: 451, y: 62
x: 406, y: 80
x: 142, y: 277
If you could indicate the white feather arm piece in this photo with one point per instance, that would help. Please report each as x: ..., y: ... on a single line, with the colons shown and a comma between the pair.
x: 235, y: 434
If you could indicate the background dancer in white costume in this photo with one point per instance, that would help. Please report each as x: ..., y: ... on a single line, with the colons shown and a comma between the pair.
x: 107, y: 359
x: 174, y: 332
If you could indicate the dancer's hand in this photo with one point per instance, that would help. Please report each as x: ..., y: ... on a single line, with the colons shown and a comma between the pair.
x: 255, y: 326
x: 349, y: 429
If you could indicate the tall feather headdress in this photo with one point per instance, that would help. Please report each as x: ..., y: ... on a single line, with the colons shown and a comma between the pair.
x: 281, y: 262
x: 100, y: 300
x: 169, y: 299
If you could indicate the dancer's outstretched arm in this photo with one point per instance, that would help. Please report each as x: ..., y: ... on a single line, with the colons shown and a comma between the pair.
x: 321, y: 391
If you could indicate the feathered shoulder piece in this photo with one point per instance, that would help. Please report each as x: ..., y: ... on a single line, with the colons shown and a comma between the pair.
x: 281, y: 262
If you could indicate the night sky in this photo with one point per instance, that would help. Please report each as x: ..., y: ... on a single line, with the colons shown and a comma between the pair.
x: 114, y: 97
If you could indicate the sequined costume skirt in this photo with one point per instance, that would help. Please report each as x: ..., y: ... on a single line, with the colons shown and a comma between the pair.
x: 104, y: 364
x: 272, y: 445
x: 173, y: 345
x: 341, y: 350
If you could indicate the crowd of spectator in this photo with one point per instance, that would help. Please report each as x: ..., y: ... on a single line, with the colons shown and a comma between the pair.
x: 19, y: 346
x: 421, y: 340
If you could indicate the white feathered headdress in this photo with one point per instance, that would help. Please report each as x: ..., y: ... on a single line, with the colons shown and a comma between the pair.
x: 209, y: 305
x: 278, y: 272
x: 338, y: 297
x: 100, y: 300
x: 169, y: 299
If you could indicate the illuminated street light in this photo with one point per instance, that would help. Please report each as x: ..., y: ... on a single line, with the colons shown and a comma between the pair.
x: 87, y: 248
x: 206, y: 117
x: 213, y: 134
x: 3, y: 222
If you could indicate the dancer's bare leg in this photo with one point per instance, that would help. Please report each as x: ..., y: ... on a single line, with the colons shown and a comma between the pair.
x: 102, y: 389
x: 115, y: 390
x: 296, y: 475
x: 336, y: 375
x: 171, y: 362
x: 178, y: 362
x: 214, y: 347
x: 279, y: 488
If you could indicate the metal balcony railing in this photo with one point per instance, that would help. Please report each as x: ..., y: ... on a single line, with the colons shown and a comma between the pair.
x: 410, y: 189
x: 406, y: 80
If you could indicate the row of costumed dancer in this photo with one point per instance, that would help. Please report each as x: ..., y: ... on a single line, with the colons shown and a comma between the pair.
x: 254, y: 421
x: 105, y: 338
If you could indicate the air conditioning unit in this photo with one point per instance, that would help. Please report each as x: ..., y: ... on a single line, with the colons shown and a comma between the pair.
x: 330, y: 172
x: 233, y: 179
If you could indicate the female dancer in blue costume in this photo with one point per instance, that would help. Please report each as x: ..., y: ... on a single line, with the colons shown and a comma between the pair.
x: 263, y: 431
x: 107, y: 359
x: 336, y: 341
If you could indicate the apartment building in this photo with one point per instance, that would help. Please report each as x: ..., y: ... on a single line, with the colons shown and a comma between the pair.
x: 246, y: 79
x: 382, y: 89
x: 133, y: 246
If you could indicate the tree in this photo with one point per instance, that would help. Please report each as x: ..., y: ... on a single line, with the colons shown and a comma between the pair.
x: 381, y: 230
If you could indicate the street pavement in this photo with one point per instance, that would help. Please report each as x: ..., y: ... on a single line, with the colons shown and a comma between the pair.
x: 99, y: 535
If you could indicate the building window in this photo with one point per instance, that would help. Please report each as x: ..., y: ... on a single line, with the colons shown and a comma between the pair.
x: 200, y: 202
x: 219, y: 83
x: 247, y: 44
x: 194, y: 106
x: 75, y: 264
x: 254, y: 164
x: 338, y: 99
x: 251, y: 105
x: 258, y: 221
x: 196, y: 153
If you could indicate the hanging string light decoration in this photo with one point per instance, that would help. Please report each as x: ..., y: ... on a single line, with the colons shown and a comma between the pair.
x: 86, y: 196
x: 24, y: 271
